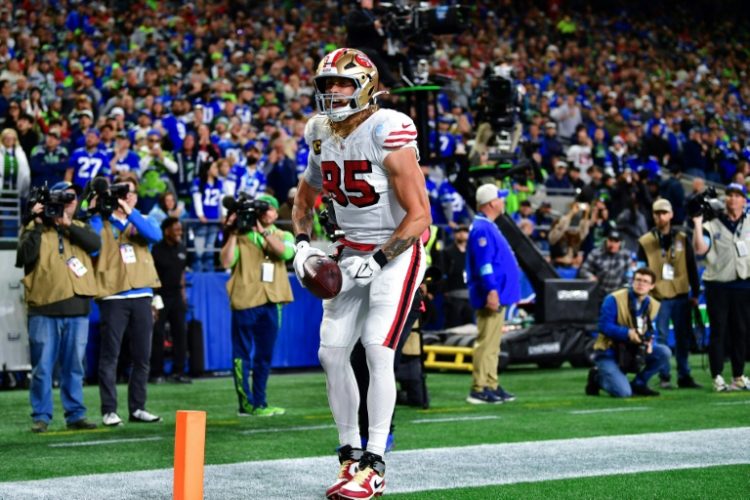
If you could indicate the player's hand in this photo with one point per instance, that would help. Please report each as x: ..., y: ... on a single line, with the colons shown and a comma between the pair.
x: 362, y: 271
x: 302, y: 252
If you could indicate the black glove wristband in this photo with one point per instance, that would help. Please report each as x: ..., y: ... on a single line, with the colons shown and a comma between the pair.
x: 380, y: 258
x: 302, y: 237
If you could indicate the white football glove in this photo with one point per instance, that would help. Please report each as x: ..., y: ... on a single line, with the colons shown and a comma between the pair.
x: 362, y: 271
x: 302, y: 252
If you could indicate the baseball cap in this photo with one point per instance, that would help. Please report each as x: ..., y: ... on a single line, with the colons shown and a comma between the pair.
x: 736, y: 187
x: 462, y: 227
x: 122, y: 135
x: 618, y: 139
x: 614, y: 234
x: 561, y: 163
x: 488, y: 192
x: 117, y: 111
x: 270, y: 200
x: 86, y: 112
x: 55, y: 133
x: 662, y: 205
x: 550, y: 125
x: 64, y: 186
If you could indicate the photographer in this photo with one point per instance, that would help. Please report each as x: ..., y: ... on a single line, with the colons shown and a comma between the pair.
x: 625, y: 342
x: 256, y: 252
x: 668, y: 254
x: 59, y: 282
x: 126, y: 276
x: 725, y: 242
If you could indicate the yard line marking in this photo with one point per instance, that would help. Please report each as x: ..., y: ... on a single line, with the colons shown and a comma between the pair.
x: 609, y: 410
x: 732, y: 403
x: 531, y: 461
x: 285, y: 429
x: 105, y: 441
x: 452, y: 419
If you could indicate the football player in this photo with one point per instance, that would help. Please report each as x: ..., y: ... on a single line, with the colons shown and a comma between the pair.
x: 366, y: 159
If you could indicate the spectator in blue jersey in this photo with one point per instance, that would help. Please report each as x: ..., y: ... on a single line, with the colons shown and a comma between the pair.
x: 443, y: 141
x: 551, y: 147
x: 124, y: 159
x: 207, y: 191
x: 248, y: 178
x: 559, y: 179
x: 49, y: 160
x: 88, y: 162
x: 281, y: 167
x: 454, y: 207
x: 126, y: 277
x: 82, y: 122
x: 493, y: 280
x: 174, y: 123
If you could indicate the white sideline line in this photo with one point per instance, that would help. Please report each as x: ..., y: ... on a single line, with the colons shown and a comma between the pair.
x: 507, y: 463
x: 609, y: 410
x: 105, y: 441
x: 289, y: 429
x: 452, y: 419
x: 732, y: 403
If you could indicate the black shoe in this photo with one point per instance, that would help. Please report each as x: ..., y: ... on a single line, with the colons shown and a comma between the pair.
x: 592, y: 384
x: 688, y: 383
x: 642, y: 390
x: 81, y: 425
x: 180, y: 379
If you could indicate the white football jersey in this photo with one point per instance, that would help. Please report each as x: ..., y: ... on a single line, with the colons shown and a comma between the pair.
x: 351, y: 171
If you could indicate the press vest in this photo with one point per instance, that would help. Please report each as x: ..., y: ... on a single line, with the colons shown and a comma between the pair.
x: 52, y: 279
x: 245, y: 287
x: 675, y: 256
x: 625, y: 317
x: 113, y: 275
x: 723, y: 262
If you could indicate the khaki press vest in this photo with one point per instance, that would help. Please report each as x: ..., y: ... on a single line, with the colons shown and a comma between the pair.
x: 624, y: 317
x: 245, y: 287
x: 722, y: 261
x: 676, y: 256
x: 112, y: 274
x: 52, y: 280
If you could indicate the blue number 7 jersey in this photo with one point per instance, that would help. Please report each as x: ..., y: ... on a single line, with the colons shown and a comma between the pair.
x: 87, y: 165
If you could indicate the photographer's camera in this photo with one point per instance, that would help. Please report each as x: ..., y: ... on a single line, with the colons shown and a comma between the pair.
x: 248, y: 211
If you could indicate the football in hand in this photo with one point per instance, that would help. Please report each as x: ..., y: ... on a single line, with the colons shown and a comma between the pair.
x: 322, y: 276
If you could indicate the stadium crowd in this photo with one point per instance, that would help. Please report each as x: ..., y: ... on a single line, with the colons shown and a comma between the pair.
x: 202, y: 100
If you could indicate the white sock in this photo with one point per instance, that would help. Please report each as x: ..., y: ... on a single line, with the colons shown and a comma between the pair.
x: 343, y: 395
x: 381, y: 396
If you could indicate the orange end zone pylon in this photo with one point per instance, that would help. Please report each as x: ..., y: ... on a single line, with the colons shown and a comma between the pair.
x: 189, y: 448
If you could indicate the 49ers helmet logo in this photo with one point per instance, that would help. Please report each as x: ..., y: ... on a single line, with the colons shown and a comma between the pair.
x: 363, y: 60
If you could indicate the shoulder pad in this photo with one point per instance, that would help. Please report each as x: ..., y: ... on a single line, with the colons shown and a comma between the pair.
x: 316, y: 131
x: 393, y: 129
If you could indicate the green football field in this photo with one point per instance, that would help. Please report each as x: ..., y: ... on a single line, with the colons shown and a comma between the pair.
x: 551, y: 413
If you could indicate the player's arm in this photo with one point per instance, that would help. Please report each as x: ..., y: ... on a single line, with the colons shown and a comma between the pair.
x: 409, y: 187
x: 303, y: 208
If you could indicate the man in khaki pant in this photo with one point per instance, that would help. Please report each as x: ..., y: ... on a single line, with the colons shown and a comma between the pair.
x: 493, y: 281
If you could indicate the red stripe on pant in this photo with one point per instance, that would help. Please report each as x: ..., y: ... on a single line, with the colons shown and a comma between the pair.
x: 404, y: 304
